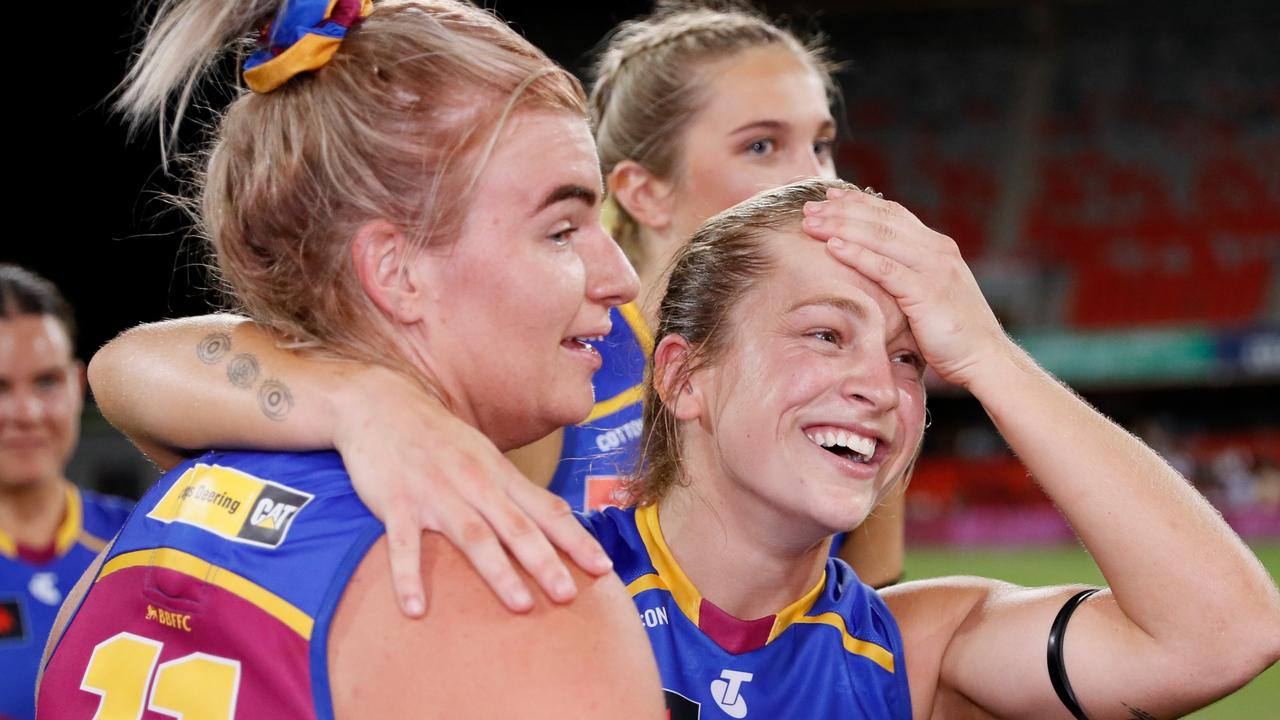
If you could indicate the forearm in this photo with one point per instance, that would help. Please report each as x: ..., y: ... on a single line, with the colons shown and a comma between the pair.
x: 1177, y: 570
x: 215, y: 381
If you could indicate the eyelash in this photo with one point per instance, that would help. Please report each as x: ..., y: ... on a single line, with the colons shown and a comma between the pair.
x: 823, y: 147
x: 912, y: 359
x: 832, y: 334
x: 564, y: 237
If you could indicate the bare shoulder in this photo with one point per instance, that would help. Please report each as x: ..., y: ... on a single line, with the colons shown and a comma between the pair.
x: 930, y: 613
x: 470, y: 655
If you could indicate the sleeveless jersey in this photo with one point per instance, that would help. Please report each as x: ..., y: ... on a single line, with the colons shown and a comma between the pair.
x: 216, y: 597
x: 598, y: 454
x: 32, y: 589
x: 835, y: 653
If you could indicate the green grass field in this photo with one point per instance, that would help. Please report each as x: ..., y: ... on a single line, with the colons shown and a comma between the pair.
x: 1256, y: 701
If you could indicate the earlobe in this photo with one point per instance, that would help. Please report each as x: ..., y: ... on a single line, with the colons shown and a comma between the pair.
x: 380, y: 254
x: 677, y: 387
x: 644, y: 196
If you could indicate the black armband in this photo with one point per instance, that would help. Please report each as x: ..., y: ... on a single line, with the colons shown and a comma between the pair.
x: 1057, y: 670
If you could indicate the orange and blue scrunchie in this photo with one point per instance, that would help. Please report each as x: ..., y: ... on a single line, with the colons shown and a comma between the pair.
x: 303, y: 37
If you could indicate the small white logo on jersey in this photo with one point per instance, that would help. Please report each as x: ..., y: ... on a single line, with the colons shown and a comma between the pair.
x: 727, y: 692
x: 44, y: 587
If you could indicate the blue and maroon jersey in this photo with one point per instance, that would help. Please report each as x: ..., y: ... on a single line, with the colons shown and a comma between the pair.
x: 33, y: 582
x: 601, y: 452
x: 215, y: 599
x: 834, y: 653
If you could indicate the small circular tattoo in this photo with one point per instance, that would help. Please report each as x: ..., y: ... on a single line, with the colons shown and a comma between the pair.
x: 242, y: 371
x: 213, y: 347
x: 275, y: 400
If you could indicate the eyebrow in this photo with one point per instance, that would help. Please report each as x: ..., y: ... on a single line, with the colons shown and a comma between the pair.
x: 775, y: 125
x: 842, y: 304
x: 568, y: 192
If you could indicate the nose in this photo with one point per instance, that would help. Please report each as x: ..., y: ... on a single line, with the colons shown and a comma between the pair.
x: 870, y: 382
x: 23, y: 408
x: 610, y: 278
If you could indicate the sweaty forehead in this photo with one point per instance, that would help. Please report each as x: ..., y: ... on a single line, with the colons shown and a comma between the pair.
x: 805, y: 271
x: 536, y: 152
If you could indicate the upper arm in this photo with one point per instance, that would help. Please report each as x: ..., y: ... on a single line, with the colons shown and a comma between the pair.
x: 875, y: 548
x: 983, y: 643
x: 471, y: 657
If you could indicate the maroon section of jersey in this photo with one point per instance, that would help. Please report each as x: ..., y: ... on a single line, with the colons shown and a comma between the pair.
x: 155, y: 638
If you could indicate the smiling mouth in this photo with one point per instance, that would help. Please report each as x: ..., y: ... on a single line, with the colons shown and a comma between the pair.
x: 582, y: 342
x: 848, y: 445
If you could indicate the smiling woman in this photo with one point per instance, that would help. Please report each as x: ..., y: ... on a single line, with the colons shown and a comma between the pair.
x: 255, y: 584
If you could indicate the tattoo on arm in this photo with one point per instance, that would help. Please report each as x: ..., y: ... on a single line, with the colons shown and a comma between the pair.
x: 212, y: 347
x: 1138, y: 713
x: 275, y: 400
x: 243, y: 370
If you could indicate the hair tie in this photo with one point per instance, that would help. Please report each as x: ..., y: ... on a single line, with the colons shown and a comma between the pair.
x: 303, y: 37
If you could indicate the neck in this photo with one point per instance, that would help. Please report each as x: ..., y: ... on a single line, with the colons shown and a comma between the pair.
x: 30, y: 514
x: 737, y: 552
x: 657, y: 250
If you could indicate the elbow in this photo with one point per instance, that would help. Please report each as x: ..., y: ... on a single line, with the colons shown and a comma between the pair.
x: 1245, y: 647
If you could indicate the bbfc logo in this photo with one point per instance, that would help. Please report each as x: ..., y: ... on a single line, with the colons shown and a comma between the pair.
x: 727, y: 692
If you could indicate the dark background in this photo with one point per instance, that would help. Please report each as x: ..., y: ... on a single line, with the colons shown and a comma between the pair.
x: 1134, y: 108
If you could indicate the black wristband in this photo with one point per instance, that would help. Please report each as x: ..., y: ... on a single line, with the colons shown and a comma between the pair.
x: 1058, y: 670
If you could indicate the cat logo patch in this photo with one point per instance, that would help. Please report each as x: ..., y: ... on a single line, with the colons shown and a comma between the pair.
x: 232, y: 504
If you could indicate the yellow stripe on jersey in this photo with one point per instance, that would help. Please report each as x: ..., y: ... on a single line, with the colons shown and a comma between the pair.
x: 67, y: 533
x: 798, y: 609
x: 72, y: 523
x: 645, y: 582
x: 677, y: 583
x: 626, y: 398
x: 190, y: 565
x: 631, y: 313
x: 869, y: 650
x: 92, y: 542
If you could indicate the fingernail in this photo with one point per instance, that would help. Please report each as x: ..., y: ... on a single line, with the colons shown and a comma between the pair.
x: 603, y: 562
x: 521, y: 598
x: 835, y: 192
x: 813, y: 222
x: 835, y: 243
x: 564, y: 588
x: 414, y: 606
x: 814, y: 207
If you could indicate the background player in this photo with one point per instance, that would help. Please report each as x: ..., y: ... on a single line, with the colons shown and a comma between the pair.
x: 255, y: 584
x: 50, y: 530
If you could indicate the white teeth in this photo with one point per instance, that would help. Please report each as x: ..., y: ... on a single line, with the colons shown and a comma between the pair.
x: 863, y: 446
x: 593, y: 338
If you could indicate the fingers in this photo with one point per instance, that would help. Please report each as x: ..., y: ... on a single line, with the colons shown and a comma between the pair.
x: 897, y: 279
x: 526, y: 541
x: 404, y: 547
x: 883, y: 226
x: 476, y: 540
x: 556, y: 519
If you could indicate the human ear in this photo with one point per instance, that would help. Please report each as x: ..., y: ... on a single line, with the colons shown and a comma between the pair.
x: 673, y: 380
x: 380, y: 253
x: 642, y: 194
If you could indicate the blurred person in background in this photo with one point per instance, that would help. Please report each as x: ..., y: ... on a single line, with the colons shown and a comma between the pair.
x: 50, y: 530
